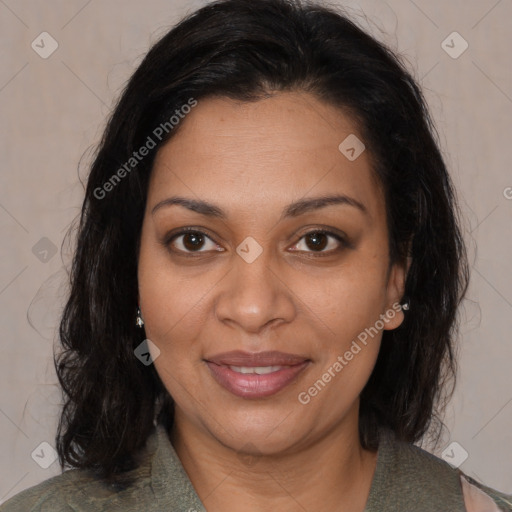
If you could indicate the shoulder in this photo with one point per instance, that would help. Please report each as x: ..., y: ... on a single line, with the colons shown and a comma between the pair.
x: 481, y: 498
x: 53, y: 494
x: 413, y: 465
x: 414, y: 473
x: 79, y: 490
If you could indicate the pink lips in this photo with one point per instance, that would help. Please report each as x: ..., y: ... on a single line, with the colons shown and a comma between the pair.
x: 253, y: 385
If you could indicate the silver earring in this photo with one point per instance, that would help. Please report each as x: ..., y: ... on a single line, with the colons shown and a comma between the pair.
x: 405, y: 306
x: 138, y: 321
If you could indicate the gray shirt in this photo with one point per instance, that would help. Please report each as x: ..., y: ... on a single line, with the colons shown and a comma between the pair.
x: 406, y: 479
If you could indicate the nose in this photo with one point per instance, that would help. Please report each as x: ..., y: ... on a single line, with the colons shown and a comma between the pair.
x: 254, y: 296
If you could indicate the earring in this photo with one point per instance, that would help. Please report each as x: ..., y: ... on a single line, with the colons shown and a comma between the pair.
x: 405, y: 305
x: 138, y: 320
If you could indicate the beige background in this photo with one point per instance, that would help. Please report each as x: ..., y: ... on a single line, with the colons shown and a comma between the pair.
x: 54, y: 109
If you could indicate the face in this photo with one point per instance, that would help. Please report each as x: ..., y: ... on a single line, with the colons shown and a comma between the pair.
x: 253, y: 286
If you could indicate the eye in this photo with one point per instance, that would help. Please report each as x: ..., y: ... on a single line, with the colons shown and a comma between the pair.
x: 320, y: 241
x: 189, y: 241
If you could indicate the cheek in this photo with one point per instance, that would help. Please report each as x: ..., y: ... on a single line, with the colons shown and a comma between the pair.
x: 348, y: 298
x: 172, y: 304
x: 173, y: 311
x: 350, y: 306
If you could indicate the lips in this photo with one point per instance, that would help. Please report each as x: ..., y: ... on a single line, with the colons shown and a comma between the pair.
x: 271, y: 358
x: 255, y: 375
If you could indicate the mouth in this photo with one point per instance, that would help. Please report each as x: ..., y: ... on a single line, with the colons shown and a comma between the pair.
x: 256, y: 375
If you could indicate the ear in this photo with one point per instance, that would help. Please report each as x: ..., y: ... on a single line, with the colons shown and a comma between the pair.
x: 394, y: 294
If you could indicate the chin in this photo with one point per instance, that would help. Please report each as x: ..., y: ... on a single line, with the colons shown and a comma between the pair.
x: 270, y: 431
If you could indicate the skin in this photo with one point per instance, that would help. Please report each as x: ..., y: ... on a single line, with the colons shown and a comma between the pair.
x: 252, y: 160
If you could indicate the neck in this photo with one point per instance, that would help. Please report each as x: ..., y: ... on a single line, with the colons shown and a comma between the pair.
x: 330, y: 473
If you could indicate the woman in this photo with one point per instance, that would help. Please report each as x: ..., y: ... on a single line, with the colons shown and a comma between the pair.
x: 266, y: 279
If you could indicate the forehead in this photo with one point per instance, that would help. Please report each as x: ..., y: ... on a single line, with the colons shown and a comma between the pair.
x: 248, y: 154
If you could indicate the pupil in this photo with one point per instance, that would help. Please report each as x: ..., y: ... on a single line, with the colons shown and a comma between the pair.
x: 192, y: 241
x: 319, y: 241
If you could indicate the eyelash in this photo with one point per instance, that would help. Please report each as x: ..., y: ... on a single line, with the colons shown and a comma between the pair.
x: 343, y: 243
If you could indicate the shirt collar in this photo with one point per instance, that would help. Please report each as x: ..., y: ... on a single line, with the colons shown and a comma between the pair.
x: 170, y: 483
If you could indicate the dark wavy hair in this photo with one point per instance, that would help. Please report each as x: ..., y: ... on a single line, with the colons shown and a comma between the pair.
x: 247, y: 50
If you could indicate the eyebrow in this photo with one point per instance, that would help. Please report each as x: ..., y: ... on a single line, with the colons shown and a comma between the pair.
x: 292, y: 210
